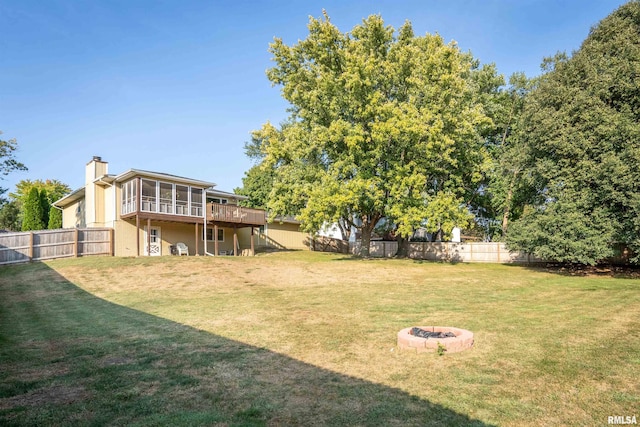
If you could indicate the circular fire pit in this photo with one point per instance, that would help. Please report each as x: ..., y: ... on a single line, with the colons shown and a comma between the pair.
x: 409, y: 339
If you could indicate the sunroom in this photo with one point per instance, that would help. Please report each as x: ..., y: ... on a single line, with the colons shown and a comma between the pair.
x: 155, y: 200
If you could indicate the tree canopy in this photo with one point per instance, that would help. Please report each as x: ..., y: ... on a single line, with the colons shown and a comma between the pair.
x: 256, y: 184
x: 383, y: 124
x: 581, y: 136
x: 49, y: 191
x: 55, y: 189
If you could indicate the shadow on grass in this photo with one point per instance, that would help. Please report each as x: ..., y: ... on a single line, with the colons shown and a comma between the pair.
x: 579, y: 270
x: 71, y: 358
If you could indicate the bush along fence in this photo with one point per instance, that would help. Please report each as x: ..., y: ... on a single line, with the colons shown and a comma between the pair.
x: 51, y: 244
x: 490, y: 252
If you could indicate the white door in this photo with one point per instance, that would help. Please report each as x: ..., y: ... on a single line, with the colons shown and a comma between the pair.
x: 156, y: 242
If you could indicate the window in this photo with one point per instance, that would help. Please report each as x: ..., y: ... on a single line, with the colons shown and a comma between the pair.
x: 210, y: 234
x: 166, y: 197
x: 217, y: 200
x: 128, y: 197
x: 196, y: 201
x: 149, y: 196
x: 182, y: 199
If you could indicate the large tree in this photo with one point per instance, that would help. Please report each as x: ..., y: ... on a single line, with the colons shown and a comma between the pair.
x: 33, y: 213
x: 49, y: 190
x: 54, y: 188
x: 582, y: 134
x: 10, y: 216
x: 383, y: 124
x: 507, y: 180
x: 256, y: 185
x: 55, y: 218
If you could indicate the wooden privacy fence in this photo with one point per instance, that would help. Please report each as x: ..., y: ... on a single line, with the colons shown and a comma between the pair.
x: 327, y: 244
x: 492, y: 252
x: 50, y: 244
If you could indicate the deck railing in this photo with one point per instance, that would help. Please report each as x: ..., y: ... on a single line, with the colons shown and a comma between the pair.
x: 235, y: 214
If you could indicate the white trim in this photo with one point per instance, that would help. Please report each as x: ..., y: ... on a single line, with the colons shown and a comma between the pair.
x: 131, y: 173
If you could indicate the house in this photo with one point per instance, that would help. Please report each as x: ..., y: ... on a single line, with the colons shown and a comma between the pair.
x: 283, y: 233
x: 150, y: 212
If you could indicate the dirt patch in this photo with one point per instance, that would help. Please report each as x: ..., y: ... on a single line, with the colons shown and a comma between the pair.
x: 116, y: 361
x: 56, y: 395
x: 43, y: 372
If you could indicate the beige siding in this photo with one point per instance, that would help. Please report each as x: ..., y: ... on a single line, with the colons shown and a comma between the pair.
x: 98, y: 214
x: 73, y: 216
x: 283, y: 236
x: 170, y: 234
x: 125, y: 239
x: 109, y: 205
x: 227, y: 244
x: 126, y: 243
x: 244, y: 237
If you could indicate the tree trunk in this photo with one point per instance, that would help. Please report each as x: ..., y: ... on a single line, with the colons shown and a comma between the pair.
x: 368, y: 225
x: 507, y: 204
x: 507, y: 209
x: 345, y: 229
x: 403, y: 247
x: 365, y: 241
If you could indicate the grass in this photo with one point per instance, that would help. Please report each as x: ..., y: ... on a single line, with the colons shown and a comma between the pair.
x: 305, y: 338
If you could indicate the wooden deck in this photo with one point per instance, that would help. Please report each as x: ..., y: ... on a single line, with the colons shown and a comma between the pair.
x: 235, y: 214
x: 225, y: 215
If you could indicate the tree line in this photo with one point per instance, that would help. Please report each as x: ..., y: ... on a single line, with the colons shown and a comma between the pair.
x: 389, y: 129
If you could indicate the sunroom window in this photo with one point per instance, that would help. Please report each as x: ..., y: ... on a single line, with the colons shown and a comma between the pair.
x: 182, y: 199
x: 196, y: 201
x: 149, y: 196
x: 162, y: 197
x: 166, y: 198
x: 129, y: 198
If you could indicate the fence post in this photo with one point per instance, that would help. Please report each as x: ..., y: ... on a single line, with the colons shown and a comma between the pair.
x: 112, y: 243
x: 76, y: 236
x: 31, y: 246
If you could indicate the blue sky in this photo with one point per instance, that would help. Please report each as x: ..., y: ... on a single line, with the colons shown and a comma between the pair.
x: 177, y: 86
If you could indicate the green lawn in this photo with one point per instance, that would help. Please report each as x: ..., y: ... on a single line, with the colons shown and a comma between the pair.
x: 306, y: 338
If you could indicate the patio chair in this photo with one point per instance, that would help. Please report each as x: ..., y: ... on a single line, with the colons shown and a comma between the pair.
x: 182, y: 249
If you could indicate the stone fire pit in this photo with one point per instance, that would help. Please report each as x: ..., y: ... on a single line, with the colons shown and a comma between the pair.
x: 462, y: 340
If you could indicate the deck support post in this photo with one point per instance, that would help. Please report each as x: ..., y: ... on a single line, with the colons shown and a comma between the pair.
x: 138, y: 234
x: 215, y: 240
x: 235, y: 241
x: 197, y: 247
x: 253, y: 250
